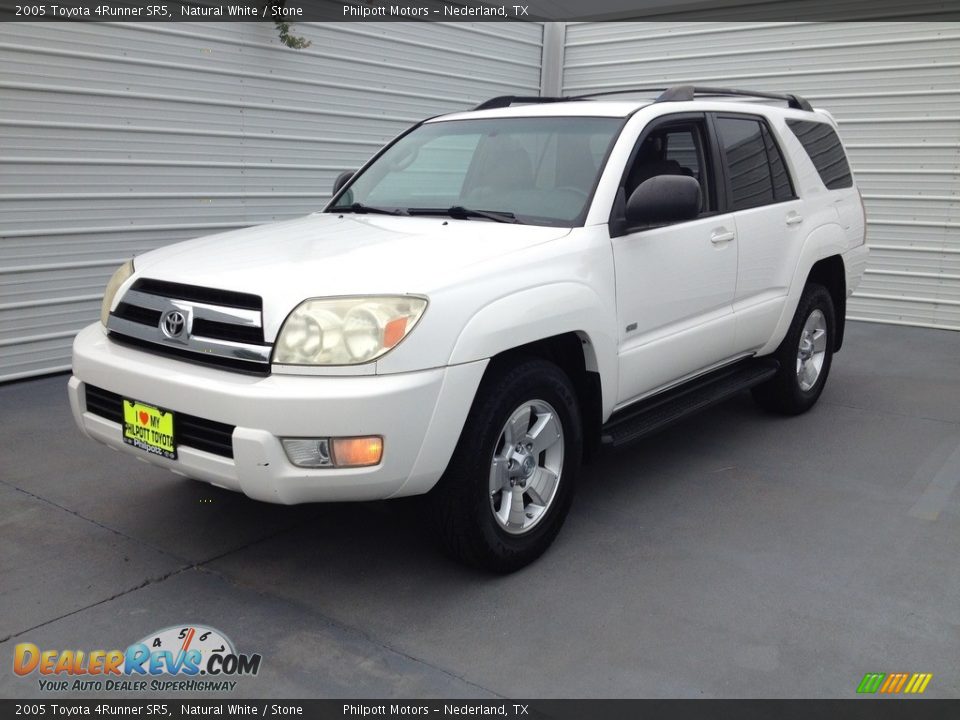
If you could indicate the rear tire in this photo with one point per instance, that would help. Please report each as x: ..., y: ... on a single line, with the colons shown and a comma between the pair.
x: 805, y: 356
x: 510, y: 482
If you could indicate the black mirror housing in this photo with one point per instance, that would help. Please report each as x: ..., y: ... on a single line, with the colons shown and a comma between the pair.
x: 664, y: 199
x: 342, y: 179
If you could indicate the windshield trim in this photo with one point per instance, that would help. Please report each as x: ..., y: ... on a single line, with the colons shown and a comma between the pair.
x: 578, y: 221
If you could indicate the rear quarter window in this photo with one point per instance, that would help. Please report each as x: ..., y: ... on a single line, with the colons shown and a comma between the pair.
x: 825, y: 151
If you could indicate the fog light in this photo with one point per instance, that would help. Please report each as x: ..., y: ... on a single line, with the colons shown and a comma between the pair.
x: 308, y: 452
x: 357, y: 451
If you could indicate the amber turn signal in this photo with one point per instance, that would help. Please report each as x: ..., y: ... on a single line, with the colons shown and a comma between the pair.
x: 357, y: 451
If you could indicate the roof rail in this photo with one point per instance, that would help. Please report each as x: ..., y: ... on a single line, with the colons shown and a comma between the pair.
x: 688, y: 92
x: 681, y: 93
x: 502, y: 101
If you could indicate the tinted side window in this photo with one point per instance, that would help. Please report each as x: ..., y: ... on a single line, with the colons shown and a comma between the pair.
x: 782, y: 188
x: 682, y: 148
x: 751, y: 184
x: 674, y: 149
x: 824, y: 148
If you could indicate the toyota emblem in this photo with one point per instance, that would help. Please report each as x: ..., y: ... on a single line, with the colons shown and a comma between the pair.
x: 173, y: 323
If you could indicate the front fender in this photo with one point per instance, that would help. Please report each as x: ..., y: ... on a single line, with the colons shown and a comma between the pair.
x: 542, y: 312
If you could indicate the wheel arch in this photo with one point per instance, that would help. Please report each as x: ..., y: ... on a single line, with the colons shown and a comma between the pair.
x: 572, y: 353
x: 820, y: 258
x: 557, y: 321
x: 830, y: 273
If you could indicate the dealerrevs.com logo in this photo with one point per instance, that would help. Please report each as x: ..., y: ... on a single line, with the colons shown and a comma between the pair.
x: 179, y: 658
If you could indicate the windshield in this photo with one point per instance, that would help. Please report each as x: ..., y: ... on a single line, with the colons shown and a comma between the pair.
x: 539, y: 170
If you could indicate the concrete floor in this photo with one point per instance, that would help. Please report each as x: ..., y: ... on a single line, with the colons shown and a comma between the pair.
x: 736, y: 554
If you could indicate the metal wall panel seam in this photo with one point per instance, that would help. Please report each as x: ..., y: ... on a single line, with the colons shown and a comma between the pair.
x: 213, y: 70
x: 790, y: 73
x: 939, y: 92
x: 682, y: 33
x: 761, y: 51
x: 53, y: 301
x: 915, y: 248
x: 927, y: 198
x: 16, y: 269
x: 198, y: 100
x: 912, y: 273
x: 160, y: 130
x: 33, y: 373
x: 306, y: 52
x: 157, y: 195
x: 906, y: 171
x: 109, y: 229
x: 37, y: 338
x: 902, y: 323
x: 17, y: 160
x: 914, y: 223
x: 909, y: 298
x: 348, y: 28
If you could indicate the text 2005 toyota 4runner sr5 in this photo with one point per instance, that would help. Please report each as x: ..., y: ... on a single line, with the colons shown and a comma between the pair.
x: 489, y: 299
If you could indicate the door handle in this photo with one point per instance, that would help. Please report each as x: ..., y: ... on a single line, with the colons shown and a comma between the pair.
x: 721, y: 236
x: 794, y: 219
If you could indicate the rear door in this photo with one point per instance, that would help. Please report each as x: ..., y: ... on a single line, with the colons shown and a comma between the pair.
x: 769, y: 223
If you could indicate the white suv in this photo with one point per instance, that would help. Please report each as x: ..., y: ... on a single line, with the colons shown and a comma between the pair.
x: 492, y: 297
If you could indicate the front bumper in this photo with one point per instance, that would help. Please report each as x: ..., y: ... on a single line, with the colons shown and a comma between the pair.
x: 420, y: 416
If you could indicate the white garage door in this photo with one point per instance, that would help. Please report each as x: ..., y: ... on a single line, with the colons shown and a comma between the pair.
x: 893, y: 87
x: 118, y: 138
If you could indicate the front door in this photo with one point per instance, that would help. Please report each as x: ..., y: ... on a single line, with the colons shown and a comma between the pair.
x: 675, y: 283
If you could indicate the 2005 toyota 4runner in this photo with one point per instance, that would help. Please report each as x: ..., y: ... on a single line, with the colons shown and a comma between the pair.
x: 492, y: 297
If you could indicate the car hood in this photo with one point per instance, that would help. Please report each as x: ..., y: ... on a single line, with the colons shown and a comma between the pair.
x: 327, y: 255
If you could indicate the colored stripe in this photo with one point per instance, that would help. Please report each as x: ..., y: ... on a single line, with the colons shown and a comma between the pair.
x: 908, y: 683
x: 900, y: 682
x: 914, y: 682
x: 870, y: 682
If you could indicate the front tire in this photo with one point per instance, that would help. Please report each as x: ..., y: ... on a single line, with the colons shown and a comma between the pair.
x: 805, y: 356
x: 510, y: 482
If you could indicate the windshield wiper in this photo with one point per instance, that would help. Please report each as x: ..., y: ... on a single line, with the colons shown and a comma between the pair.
x: 458, y: 212
x: 361, y: 209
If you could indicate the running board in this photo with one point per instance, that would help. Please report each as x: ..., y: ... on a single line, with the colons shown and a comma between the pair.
x: 655, y: 413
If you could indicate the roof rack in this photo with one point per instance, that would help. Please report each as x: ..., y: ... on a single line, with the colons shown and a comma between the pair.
x: 502, y: 101
x: 682, y: 93
x: 677, y: 93
x: 688, y: 92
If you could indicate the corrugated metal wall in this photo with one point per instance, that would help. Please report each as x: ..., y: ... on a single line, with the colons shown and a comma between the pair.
x: 117, y: 138
x: 894, y: 89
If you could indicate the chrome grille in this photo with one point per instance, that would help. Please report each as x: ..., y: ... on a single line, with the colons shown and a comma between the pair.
x: 204, y: 325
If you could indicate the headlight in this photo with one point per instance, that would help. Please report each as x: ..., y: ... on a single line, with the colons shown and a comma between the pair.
x: 118, y: 279
x: 346, y: 331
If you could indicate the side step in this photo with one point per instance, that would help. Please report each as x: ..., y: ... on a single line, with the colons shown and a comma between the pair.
x: 655, y: 413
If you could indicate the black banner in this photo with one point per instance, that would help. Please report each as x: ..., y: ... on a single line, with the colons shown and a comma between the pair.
x: 292, y: 11
x: 863, y: 709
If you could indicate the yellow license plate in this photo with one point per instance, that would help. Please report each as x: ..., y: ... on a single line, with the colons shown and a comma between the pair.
x: 149, y: 428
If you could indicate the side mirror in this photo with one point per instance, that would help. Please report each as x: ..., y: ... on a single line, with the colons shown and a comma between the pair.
x: 342, y: 179
x: 664, y: 199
